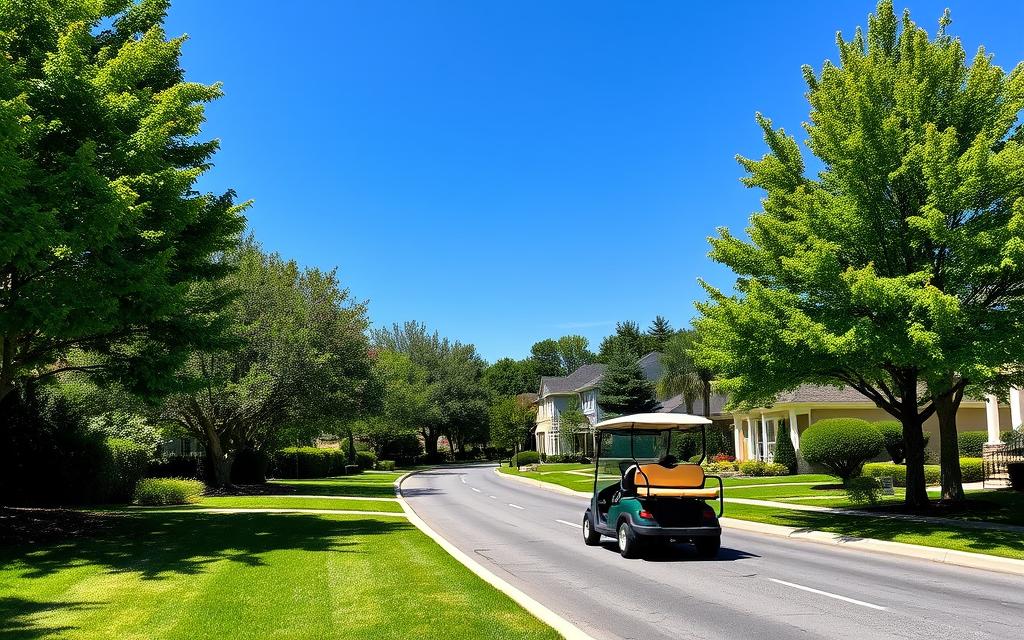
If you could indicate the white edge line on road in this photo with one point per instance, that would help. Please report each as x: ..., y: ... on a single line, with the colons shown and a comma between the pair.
x: 515, y: 506
x: 830, y: 595
x: 566, y: 629
x: 475, y: 489
x: 571, y: 524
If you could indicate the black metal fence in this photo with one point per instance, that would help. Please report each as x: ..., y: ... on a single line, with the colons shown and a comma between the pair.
x: 996, y: 457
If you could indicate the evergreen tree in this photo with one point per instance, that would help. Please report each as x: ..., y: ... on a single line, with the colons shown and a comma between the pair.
x: 106, y: 245
x: 785, y: 452
x: 624, y: 389
x: 659, y: 332
x: 627, y: 337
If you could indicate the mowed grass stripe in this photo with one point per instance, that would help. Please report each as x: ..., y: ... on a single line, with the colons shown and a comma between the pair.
x: 296, y: 576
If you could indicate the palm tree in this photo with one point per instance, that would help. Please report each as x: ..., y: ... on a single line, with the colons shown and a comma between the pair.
x: 682, y: 375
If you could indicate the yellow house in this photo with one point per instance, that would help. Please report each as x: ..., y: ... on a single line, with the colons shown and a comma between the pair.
x: 754, y: 430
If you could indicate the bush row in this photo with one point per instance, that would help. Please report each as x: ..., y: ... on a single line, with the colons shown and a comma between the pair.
x: 313, y: 462
x: 759, y: 468
x: 970, y: 469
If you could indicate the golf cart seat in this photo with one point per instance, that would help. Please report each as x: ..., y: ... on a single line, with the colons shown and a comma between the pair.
x: 680, y: 481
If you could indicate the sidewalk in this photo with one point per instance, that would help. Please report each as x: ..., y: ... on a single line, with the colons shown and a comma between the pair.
x: 949, y: 522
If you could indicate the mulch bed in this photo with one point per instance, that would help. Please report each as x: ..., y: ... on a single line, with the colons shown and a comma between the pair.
x: 940, y: 509
x: 267, y: 489
x: 29, y: 525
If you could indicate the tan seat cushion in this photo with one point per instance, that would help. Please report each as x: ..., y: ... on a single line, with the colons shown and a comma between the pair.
x: 682, y: 476
x: 706, y: 494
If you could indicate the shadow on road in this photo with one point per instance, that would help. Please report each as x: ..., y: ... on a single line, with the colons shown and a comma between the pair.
x: 681, y: 552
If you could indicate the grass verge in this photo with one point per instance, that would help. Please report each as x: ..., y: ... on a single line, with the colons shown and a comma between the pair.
x: 248, y: 575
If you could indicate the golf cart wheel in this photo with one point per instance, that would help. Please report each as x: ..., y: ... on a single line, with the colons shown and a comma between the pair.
x: 591, y: 538
x: 629, y: 542
x: 708, y: 547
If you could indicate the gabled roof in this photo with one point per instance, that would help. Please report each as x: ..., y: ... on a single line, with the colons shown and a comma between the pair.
x: 676, y: 404
x: 584, y: 377
x: 650, y: 364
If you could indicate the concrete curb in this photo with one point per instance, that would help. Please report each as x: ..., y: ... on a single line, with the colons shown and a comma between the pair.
x: 920, y: 552
x: 565, y: 628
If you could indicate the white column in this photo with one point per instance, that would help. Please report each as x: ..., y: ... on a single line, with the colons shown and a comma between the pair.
x: 992, y: 418
x: 1016, y: 406
x: 794, y: 432
x: 765, y: 437
x: 751, y: 438
x: 737, y: 434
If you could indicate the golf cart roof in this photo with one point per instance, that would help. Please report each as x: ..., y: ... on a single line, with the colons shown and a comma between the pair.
x: 652, y: 422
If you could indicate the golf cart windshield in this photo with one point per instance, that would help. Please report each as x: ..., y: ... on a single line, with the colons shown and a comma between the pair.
x: 618, y: 449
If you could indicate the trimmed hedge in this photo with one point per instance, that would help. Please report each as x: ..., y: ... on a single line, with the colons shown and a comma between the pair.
x: 841, y: 445
x: 759, y: 468
x: 126, y: 467
x: 386, y: 465
x: 971, y: 443
x: 161, y: 491
x: 309, y: 462
x: 366, y: 460
x: 524, y: 458
x: 898, y: 472
x: 971, y: 470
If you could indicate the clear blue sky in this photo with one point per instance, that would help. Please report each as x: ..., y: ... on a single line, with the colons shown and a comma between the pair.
x: 511, y: 171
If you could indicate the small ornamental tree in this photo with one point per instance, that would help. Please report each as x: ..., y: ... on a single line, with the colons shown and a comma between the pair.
x: 841, y: 445
x: 785, y: 453
x: 624, y: 389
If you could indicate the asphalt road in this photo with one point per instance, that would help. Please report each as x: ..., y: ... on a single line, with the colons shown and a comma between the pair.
x: 759, y: 587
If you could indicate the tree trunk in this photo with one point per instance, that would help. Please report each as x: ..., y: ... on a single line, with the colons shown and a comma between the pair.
x: 430, y: 441
x: 949, y: 447
x: 220, y: 462
x: 351, y: 447
x: 913, y: 441
x: 706, y: 384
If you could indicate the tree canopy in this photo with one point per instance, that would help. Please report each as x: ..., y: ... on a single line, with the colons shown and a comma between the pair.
x: 105, y: 238
x: 624, y: 389
x: 896, y: 268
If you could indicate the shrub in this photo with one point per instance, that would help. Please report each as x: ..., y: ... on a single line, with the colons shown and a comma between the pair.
x: 898, y: 472
x: 309, y: 462
x: 386, y: 465
x: 524, y: 458
x: 126, y: 467
x: 366, y: 460
x: 753, y: 468
x: 971, y: 443
x: 785, y: 453
x: 892, y: 439
x: 721, y: 467
x: 863, y: 490
x: 841, y: 445
x: 723, y: 457
x: 161, y: 491
x: 775, y: 469
x: 404, y: 450
x: 971, y: 470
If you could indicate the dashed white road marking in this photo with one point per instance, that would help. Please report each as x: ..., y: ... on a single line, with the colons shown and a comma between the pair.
x: 475, y: 489
x: 493, y: 497
x: 463, y: 478
x: 571, y: 524
x: 515, y: 506
x: 830, y: 595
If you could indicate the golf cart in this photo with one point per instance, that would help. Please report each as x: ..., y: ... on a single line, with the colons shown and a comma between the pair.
x: 643, y: 494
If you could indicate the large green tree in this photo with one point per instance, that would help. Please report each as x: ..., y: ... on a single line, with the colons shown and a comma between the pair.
x: 103, y: 237
x: 660, y: 332
x: 630, y: 338
x: 405, y: 401
x: 509, y: 377
x: 562, y: 356
x: 299, y: 365
x: 511, y: 421
x: 897, y: 266
x: 624, y: 389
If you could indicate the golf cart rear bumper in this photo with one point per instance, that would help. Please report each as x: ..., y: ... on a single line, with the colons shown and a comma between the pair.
x: 677, y: 532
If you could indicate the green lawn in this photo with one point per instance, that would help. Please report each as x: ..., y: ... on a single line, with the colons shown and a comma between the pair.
x: 186, y: 574
x: 1001, y: 543
x: 375, y: 485
x: 285, y: 502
